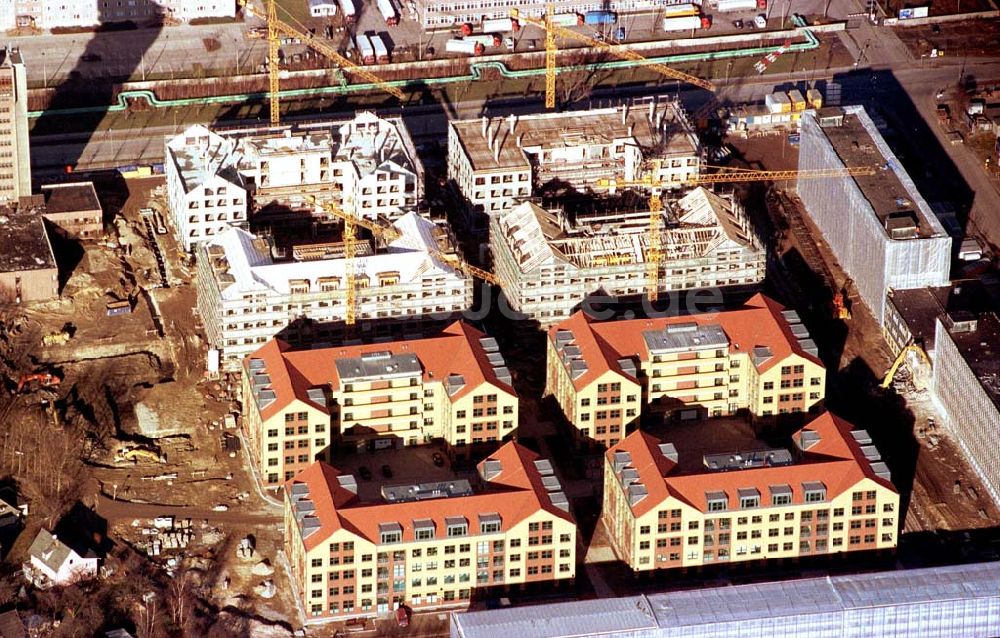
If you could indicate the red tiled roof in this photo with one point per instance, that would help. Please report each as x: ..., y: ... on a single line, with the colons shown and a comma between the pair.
x: 757, y: 323
x: 836, y: 461
x: 515, y: 494
x: 455, y: 350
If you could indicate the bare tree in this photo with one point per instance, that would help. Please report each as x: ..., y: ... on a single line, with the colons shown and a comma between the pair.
x: 181, y: 599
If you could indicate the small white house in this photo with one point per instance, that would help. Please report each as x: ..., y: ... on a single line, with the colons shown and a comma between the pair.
x: 322, y: 8
x: 53, y: 562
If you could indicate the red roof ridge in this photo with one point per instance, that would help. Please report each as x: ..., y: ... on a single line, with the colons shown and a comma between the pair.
x: 836, y: 460
x: 519, y: 483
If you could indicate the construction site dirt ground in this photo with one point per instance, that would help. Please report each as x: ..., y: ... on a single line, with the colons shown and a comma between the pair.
x: 111, y: 365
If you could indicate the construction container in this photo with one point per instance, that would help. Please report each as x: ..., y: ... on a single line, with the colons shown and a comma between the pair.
x: 815, y: 98
x: 736, y: 5
x: 366, y: 50
x: 678, y: 10
x: 388, y: 12
x: 468, y: 47
x: 798, y: 102
x: 778, y: 102
x: 501, y: 25
x: 565, y: 19
x: 594, y: 18
x: 381, y: 51
x: 682, y: 23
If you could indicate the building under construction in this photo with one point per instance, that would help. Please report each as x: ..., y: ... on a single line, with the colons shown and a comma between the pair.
x: 269, y: 176
x: 548, y: 263
x: 496, y: 163
x: 878, y: 226
x: 250, y: 291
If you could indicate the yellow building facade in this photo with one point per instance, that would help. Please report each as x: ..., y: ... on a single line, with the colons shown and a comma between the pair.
x: 757, y: 359
x: 353, y: 558
x: 828, y: 495
x: 454, y: 387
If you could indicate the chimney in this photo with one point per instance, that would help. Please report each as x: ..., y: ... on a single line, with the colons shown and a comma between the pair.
x: 512, y: 122
x: 624, y: 114
x: 496, y: 152
x: 490, y: 135
x: 485, y: 125
x: 519, y: 137
x: 652, y: 110
x: 630, y: 130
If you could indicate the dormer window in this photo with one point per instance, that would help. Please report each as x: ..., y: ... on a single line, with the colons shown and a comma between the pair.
x: 717, y: 501
x: 489, y: 523
x: 457, y: 526
x: 749, y: 498
x: 390, y: 533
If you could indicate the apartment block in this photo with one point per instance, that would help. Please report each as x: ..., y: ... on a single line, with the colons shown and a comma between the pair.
x: 497, y: 162
x: 426, y: 545
x: 444, y: 14
x: 366, y: 165
x: 206, y: 193
x: 452, y: 387
x: 549, y: 262
x: 757, y: 359
x: 15, y: 158
x: 247, y: 296
x: 880, y: 228
x: 698, y: 502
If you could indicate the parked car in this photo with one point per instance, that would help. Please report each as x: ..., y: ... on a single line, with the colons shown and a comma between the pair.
x: 760, y: 21
x: 620, y: 34
x: 509, y: 43
x: 365, y: 473
x: 438, y: 459
x: 386, y: 471
x: 738, y: 23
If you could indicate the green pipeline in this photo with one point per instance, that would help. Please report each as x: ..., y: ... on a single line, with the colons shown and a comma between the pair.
x: 475, y: 73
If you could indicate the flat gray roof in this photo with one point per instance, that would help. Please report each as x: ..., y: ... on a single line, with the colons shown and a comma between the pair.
x: 832, y: 602
x: 683, y: 337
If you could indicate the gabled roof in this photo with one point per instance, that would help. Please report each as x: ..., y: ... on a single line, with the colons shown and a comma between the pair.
x: 514, y: 493
x: 52, y: 552
x: 456, y: 350
x: 836, y: 460
x: 757, y: 323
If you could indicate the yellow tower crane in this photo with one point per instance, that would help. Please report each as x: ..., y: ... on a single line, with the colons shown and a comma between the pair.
x: 275, y: 28
x: 386, y: 233
x: 620, y: 51
x: 724, y: 175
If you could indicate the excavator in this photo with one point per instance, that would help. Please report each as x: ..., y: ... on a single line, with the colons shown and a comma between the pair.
x: 44, y: 380
x: 137, y: 454
x: 900, y: 358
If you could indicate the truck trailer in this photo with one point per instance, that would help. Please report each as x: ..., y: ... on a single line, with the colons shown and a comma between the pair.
x: 678, y: 10
x: 685, y: 23
x: 365, y: 49
x: 381, y: 52
x: 388, y: 12
x: 501, y: 25
x: 347, y: 10
x: 486, y: 39
x: 725, y: 6
x: 566, y: 19
x: 468, y: 47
